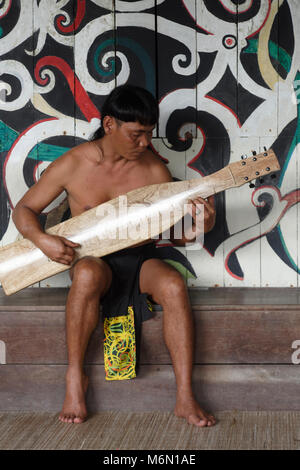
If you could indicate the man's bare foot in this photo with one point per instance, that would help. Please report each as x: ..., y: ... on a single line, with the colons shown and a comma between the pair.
x: 74, y: 409
x: 188, y: 408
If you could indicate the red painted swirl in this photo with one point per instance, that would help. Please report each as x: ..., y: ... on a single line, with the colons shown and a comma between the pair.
x: 80, y: 12
x: 81, y: 97
x: 7, y: 9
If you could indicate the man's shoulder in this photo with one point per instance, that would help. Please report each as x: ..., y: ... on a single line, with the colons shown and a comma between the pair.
x: 79, y: 151
x: 65, y: 165
x: 157, y: 166
x: 73, y: 155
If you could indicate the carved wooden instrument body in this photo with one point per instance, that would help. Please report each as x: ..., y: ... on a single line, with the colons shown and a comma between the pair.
x: 104, y: 229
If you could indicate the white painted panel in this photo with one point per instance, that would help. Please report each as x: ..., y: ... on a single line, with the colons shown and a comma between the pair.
x: 60, y: 280
x: 208, y: 268
x: 175, y: 162
x: 23, y: 93
x: 216, y: 42
x: 254, y: 39
x: 274, y: 271
x: 242, y: 222
x: 184, y: 65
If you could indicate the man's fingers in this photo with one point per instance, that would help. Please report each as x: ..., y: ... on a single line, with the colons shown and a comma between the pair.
x: 70, y: 243
x: 68, y: 251
x: 195, y: 207
x: 211, y: 200
x: 209, y: 203
x: 65, y: 260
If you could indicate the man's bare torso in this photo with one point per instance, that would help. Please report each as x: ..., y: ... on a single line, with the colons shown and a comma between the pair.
x: 92, y: 182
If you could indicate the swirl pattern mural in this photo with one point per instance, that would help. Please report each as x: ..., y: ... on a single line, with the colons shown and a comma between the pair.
x: 226, y: 75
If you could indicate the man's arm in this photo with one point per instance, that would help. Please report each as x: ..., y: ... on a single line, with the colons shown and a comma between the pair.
x: 199, y: 224
x: 40, y: 195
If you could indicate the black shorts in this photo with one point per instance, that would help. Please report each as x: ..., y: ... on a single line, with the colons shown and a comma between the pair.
x: 123, y: 297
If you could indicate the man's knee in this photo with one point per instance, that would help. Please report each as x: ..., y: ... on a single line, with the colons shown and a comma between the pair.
x: 91, y: 272
x: 171, y: 287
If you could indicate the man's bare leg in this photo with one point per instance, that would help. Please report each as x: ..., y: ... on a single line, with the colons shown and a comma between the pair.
x: 91, y: 278
x: 166, y: 286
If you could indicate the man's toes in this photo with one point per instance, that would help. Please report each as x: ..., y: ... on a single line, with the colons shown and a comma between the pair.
x: 78, y: 420
x: 201, y: 421
x: 197, y: 420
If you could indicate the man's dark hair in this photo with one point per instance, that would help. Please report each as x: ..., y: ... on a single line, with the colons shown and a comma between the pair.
x: 129, y: 103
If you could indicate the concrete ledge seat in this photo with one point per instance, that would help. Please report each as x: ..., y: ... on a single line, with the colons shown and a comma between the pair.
x: 245, y: 353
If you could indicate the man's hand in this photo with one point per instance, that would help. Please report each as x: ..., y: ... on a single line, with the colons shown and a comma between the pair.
x: 203, y: 216
x: 199, y: 205
x: 57, y: 248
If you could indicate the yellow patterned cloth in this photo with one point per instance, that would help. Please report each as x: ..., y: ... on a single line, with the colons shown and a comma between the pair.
x: 120, y: 346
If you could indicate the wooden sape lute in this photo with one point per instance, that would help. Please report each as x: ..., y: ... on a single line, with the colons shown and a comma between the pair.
x: 104, y: 229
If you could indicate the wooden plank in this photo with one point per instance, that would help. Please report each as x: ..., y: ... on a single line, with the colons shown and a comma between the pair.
x: 202, y: 299
x: 17, y: 112
x: 288, y: 63
x: 60, y: 106
x: 177, y: 62
x: 258, y: 77
x: 279, y: 247
x: 223, y: 336
x: 41, y: 388
x: 38, y: 299
x: 208, y: 154
x: 217, y: 52
x: 135, y: 46
x: 242, y: 246
x: 94, y: 65
x: 298, y: 208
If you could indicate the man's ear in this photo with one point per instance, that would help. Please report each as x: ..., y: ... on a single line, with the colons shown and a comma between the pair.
x: 108, y: 124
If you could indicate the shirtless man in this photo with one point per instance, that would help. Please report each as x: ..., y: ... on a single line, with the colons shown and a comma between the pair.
x: 91, y: 173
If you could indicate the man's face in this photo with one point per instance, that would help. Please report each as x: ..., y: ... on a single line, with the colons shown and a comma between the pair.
x: 131, y: 138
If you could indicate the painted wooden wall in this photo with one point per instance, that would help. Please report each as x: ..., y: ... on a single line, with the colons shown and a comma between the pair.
x: 226, y: 74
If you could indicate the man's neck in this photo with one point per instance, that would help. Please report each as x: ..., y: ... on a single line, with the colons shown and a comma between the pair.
x: 107, y: 155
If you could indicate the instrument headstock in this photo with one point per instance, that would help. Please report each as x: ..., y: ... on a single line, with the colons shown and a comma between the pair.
x: 256, y: 166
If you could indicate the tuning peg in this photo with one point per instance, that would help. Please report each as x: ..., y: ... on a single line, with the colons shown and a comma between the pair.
x: 243, y: 157
x: 251, y: 185
x: 253, y: 152
x: 265, y: 149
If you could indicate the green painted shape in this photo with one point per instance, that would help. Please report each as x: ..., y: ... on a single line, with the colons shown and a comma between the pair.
x: 7, y: 137
x: 47, y: 152
x: 145, y: 60
x: 41, y: 151
x: 99, y: 49
x: 276, y: 52
x: 183, y: 271
x: 140, y: 53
